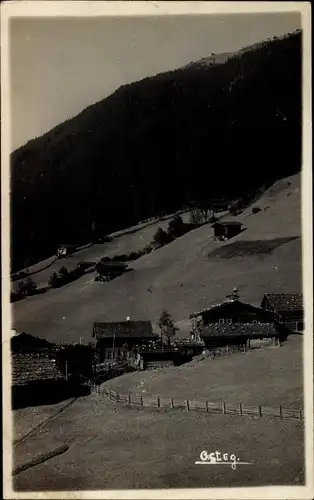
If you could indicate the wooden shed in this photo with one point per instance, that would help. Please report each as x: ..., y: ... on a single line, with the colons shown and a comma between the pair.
x: 36, y: 380
x: 226, y: 229
x: 288, y: 309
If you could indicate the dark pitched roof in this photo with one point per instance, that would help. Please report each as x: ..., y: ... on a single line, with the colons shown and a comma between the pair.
x: 285, y: 301
x: 25, y: 342
x: 239, y: 329
x: 123, y: 329
x: 225, y: 304
x: 227, y: 223
x: 28, y: 368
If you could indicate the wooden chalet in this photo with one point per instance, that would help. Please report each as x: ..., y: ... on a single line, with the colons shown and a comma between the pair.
x: 40, y: 374
x: 236, y: 323
x: 116, y: 340
x: 36, y: 379
x: 226, y: 229
x: 287, y: 308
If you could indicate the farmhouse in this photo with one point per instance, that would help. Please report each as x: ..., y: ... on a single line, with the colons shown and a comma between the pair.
x: 227, y: 229
x: 235, y: 323
x: 36, y: 379
x: 115, y: 340
x: 287, y: 307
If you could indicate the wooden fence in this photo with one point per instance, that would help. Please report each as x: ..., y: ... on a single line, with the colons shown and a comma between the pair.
x: 224, y: 408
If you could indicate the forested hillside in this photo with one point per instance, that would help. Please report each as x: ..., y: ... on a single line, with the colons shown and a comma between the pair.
x: 191, y: 134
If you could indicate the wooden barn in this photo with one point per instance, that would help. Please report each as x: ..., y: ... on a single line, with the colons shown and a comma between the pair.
x: 226, y: 229
x: 38, y: 377
x: 288, y: 309
x: 115, y: 340
x: 236, y: 323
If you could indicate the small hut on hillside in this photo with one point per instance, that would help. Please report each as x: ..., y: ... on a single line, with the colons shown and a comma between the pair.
x: 226, y: 229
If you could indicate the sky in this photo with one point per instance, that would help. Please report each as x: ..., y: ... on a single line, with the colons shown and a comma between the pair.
x: 59, y: 66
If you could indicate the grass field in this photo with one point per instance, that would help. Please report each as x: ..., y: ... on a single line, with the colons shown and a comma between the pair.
x: 112, y: 446
x: 116, y: 447
x: 241, y: 377
x: 27, y: 419
x: 125, y: 241
x: 181, y: 276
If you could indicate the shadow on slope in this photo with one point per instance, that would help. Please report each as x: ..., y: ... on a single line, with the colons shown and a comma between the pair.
x: 46, y: 393
x: 249, y: 248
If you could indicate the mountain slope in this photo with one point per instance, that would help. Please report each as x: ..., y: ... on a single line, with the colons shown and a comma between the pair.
x: 182, y: 277
x: 150, y: 147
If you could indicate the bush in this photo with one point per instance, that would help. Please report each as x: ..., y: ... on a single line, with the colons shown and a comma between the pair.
x: 54, y: 281
x: 27, y: 287
x: 255, y: 210
x: 176, y: 227
x: 161, y: 237
x: 196, y: 216
x: 147, y: 249
x: 63, y: 272
x: 134, y: 255
x: 105, y: 239
x: 106, y: 259
x: 120, y: 257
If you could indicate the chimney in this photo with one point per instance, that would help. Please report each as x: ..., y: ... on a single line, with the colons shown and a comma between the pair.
x: 233, y: 296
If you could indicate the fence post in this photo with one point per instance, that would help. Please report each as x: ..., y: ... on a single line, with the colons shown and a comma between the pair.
x: 207, y: 409
x: 158, y: 402
x: 227, y: 349
x: 142, y: 402
x: 187, y: 405
x: 117, y: 397
x: 240, y: 408
x: 172, y: 403
x: 280, y: 412
x: 223, y: 408
x: 66, y: 371
x: 260, y: 411
x: 300, y: 415
x: 129, y: 399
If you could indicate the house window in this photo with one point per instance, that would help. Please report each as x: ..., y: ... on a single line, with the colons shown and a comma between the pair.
x: 228, y: 321
x: 254, y: 321
x: 221, y: 320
